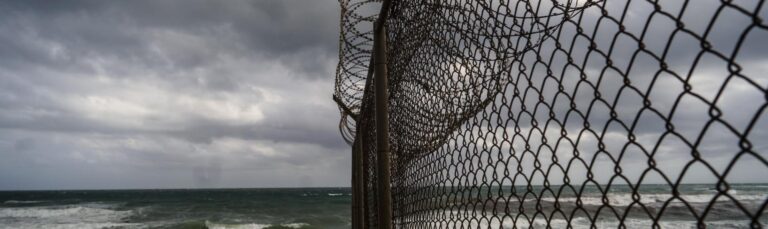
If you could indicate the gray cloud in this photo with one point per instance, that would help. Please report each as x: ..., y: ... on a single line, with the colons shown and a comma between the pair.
x: 145, y: 94
x: 148, y: 94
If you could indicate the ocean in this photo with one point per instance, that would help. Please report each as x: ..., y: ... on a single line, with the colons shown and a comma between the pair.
x: 730, y: 211
x: 330, y: 208
x: 190, y: 208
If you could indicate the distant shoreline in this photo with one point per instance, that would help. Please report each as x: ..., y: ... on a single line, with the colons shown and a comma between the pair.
x: 164, y: 189
x: 287, y: 188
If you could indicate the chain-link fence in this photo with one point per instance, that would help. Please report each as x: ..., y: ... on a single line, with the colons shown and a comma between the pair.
x: 561, y: 113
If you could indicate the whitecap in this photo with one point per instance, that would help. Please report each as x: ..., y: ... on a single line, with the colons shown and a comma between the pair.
x: 479, y: 219
x: 63, y: 215
x: 71, y: 225
x: 626, y: 199
x: 295, y: 225
x: 23, y: 201
x: 211, y: 225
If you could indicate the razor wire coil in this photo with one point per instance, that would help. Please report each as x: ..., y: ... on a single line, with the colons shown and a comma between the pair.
x: 561, y: 113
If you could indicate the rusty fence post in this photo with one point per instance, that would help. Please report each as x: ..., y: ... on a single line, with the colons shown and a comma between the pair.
x: 363, y: 177
x: 356, y: 183
x: 359, y: 216
x: 382, y: 126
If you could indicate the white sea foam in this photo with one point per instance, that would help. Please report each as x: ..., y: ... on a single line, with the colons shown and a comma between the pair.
x: 71, y: 225
x: 211, y: 225
x: 73, y: 212
x: 457, y: 219
x: 581, y: 222
x: 295, y: 225
x: 70, y: 216
x: 335, y: 194
x: 23, y: 201
x: 625, y: 199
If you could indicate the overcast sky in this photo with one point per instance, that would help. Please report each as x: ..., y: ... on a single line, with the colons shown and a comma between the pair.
x: 216, y: 94
x: 169, y: 94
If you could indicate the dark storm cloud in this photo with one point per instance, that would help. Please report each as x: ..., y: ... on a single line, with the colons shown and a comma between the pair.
x: 279, y: 128
x: 166, y: 87
x: 277, y: 29
x: 237, y: 93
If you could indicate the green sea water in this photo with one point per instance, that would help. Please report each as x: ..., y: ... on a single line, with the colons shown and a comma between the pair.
x: 218, y: 208
x: 330, y: 207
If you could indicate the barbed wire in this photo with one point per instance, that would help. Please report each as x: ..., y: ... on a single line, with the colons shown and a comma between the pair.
x: 551, y: 113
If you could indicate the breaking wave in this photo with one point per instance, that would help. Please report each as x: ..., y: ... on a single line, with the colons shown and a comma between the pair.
x: 23, y: 201
x: 576, y: 223
x: 211, y: 225
x: 626, y: 199
x: 72, y: 216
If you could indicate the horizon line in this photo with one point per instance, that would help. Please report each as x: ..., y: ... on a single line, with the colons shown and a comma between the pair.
x: 306, y: 187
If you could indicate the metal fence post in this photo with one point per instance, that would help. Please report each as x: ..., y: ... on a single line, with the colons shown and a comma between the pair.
x: 356, y: 175
x: 382, y: 126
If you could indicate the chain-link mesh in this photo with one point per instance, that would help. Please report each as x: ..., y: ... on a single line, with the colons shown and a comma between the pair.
x: 556, y: 113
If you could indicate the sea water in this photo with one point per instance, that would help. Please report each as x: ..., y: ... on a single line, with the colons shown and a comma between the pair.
x: 615, y: 206
x: 330, y: 207
x: 216, y: 208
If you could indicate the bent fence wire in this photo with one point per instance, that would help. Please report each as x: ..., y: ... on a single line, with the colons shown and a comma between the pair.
x: 555, y: 113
